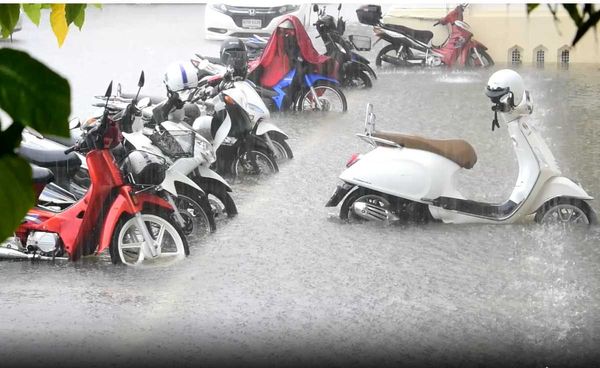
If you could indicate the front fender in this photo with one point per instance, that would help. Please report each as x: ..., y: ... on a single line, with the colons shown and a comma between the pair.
x: 353, y: 67
x: 263, y: 127
x: 206, y: 172
x: 124, y: 205
x: 172, y: 176
x: 311, y: 79
x: 558, y: 186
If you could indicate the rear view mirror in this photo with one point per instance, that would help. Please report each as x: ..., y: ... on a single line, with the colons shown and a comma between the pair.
x: 315, y: 8
x: 142, y: 80
x: 74, y: 123
x: 340, y: 7
x: 108, y: 92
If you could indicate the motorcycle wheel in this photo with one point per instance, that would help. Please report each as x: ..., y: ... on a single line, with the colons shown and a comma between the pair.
x: 390, y: 49
x: 283, y: 151
x: 360, y: 81
x: 566, y: 211
x: 474, y: 62
x: 195, y: 209
x: 126, y: 245
x: 328, y: 93
x: 219, y: 199
x: 375, y: 199
x: 254, y: 164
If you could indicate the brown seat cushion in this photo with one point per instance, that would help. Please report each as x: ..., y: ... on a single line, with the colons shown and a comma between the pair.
x: 457, y: 150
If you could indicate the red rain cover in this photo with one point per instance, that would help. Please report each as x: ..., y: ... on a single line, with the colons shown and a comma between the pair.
x: 274, y: 62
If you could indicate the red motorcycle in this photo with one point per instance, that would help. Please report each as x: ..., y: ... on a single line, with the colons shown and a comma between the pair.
x: 120, y: 211
x: 411, y: 47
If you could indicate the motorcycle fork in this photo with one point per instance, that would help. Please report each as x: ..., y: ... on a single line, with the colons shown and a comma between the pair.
x: 478, y: 56
x: 176, y: 211
x: 271, y: 145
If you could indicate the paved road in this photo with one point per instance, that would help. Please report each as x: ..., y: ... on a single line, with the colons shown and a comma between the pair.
x: 285, y: 281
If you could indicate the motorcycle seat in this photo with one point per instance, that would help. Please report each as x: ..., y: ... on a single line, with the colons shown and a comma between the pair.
x: 62, y: 140
x: 422, y: 36
x: 41, y: 175
x: 49, y: 158
x: 456, y: 150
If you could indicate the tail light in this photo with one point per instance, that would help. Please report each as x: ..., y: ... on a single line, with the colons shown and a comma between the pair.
x: 353, y: 159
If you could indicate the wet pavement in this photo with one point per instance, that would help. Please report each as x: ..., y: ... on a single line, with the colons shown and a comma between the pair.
x: 285, y: 282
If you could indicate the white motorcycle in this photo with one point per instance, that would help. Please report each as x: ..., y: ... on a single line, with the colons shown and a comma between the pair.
x: 413, y: 178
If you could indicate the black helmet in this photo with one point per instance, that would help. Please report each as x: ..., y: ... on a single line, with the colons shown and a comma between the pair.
x: 234, y: 54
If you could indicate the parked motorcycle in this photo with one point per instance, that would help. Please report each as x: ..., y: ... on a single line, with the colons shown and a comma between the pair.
x: 354, y: 70
x: 411, y: 47
x: 292, y: 75
x: 411, y: 178
x: 121, y: 211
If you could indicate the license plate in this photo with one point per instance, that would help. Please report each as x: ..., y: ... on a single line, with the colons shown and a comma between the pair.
x: 251, y: 23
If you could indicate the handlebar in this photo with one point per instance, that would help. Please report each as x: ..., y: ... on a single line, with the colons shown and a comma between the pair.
x: 70, y: 149
x: 436, y: 23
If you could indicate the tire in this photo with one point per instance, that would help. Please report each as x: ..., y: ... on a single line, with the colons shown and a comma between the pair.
x: 321, y: 87
x: 385, y: 50
x: 254, y: 164
x: 219, y: 199
x: 360, y: 80
x: 195, y: 208
x: 282, y: 148
x: 473, y: 60
x: 555, y: 211
x: 346, y: 209
x: 125, y: 231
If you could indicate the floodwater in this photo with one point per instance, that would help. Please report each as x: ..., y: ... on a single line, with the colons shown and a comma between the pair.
x: 285, y: 282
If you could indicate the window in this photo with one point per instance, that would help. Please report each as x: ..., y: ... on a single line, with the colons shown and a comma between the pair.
x: 539, y: 56
x: 515, y: 55
x: 564, y: 56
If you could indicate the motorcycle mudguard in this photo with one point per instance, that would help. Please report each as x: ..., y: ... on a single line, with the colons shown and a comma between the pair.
x: 173, y: 176
x: 206, y: 172
x: 264, y: 127
x: 558, y: 186
x: 123, y: 204
x: 359, y: 58
x: 355, y: 67
x: 311, y: 79
x: 278, y: 88
x: 340, y: 192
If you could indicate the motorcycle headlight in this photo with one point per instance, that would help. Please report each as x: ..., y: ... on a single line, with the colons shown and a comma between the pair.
x: 288, y: 9
x: 220, y: 7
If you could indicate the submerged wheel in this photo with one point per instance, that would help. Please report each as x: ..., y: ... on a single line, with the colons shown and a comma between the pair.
x: 221, y: 203
x: 283, y: 151
x: 375, y: 206
x: 474, y: 61
x: 329, y: 95
x: 564, y: 210
x: 253, y: 165
x: 196, y: 212
x: 392, y: 51
x: 360, y: 80
x: 127, y: 241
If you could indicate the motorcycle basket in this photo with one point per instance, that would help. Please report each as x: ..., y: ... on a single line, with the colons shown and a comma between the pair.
x: 175, y: 143
x: 144, y: 168
x: 360, y: 43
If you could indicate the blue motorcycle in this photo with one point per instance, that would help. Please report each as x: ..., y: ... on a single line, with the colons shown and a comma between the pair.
x: 300, y: 90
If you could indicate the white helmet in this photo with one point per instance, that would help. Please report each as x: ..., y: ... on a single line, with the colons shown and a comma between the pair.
x: 180, y: 76
x: 506, y: 86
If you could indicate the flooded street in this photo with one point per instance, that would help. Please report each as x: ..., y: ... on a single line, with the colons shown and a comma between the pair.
x: 285, y: 281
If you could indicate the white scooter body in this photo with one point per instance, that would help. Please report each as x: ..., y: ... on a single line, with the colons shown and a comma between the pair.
x: 422, y: 176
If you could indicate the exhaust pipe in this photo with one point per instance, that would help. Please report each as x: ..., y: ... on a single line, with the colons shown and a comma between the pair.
x: 373, y: 213
x: 396, y: 61
x: 8, y: 253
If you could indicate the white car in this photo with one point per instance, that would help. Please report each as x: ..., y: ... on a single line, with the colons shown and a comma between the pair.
x: 248, y: 18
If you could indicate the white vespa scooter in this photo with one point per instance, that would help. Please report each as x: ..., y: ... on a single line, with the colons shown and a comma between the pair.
x: 412, y: 178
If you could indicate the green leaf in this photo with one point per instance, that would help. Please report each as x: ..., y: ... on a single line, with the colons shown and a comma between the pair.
x: 16, y: 193
x: 531, y: 7
x: 33, y: 94
x: 9, y: 15
x: 33, y: 12
x: 573, y: 13
x: 97, y: 6
x: 80, y: 18
x: 585, y: 26
x: 73, y: 11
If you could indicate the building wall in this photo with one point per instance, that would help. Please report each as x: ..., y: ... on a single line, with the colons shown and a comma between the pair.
x: 504, y: 28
